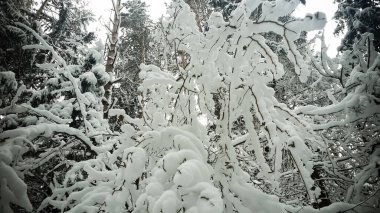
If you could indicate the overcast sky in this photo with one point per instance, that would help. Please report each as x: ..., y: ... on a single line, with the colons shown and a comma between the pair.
x: 102, y: 8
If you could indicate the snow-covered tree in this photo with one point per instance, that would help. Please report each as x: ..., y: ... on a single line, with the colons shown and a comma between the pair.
x: 40, y: 127
x: 212, y: 136
x: 233, y: 61
x: 348, y: 123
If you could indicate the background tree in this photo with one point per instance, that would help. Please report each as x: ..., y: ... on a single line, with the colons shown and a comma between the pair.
x: 135, y: 48
x: 357, y: 17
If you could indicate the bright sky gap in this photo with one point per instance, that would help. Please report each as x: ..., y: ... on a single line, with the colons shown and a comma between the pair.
x: 157, y: 8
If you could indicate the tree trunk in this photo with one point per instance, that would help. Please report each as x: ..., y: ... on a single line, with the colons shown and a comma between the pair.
x: 112, y: 47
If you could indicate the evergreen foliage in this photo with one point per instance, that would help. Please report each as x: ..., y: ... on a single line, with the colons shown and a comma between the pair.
x: 358, y: 17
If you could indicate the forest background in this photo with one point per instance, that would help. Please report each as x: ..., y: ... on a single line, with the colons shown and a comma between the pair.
x: 219, y: 106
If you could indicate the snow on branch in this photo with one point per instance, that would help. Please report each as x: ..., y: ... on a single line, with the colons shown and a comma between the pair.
x: 26, y: 108
x: 229, y: 67
x: 67, y: 73
x: 12, y: 189
x: 47, y: 130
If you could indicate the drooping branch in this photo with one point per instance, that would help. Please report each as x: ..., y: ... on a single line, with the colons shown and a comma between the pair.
x: 66, y: 72
x: 47, y: 130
